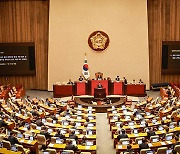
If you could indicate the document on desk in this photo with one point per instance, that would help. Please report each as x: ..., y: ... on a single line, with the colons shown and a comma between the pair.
x: 150, y: 145
x: 169, y: 142
x: 88, y: 147
x: 51, y: 145
x: 22, y: 140
x: 163, y: 143
x: 29, y: 142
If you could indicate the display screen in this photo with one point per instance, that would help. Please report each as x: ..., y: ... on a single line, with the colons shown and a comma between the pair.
x: 171, y: 57
x: 17, y: 59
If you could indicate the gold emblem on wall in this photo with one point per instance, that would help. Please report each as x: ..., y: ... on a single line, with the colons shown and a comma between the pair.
x: 98, y: 41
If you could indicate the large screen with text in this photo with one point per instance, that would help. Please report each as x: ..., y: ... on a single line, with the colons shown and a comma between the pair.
x: 17, y: 59
x: 171, y: 57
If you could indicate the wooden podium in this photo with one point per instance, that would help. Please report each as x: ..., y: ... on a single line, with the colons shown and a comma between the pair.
x: 99, y: 93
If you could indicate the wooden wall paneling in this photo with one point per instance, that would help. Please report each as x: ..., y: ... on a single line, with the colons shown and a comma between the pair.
x: 27, y: 21
x: 163, y: 25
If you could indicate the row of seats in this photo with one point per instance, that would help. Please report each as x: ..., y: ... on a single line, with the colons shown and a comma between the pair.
x: 153, y: 122
x: 38, y: 115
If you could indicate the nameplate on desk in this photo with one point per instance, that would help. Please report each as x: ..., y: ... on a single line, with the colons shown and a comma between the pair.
x: 88, y: 147
x: 24, y: 128
x: 136, y: 135
x: 119, y: 146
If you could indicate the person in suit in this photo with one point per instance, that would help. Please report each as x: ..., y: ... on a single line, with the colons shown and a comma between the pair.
x: 140, y: 81
x: 45, y: 133
x: 99, y: 85
x: 73, y: 135
x: 70, y: 146
x: 129, y: 149
x: 39, y: 122
x: 150, y: 133
x: 2, y: 123
x: 143, y: 145
x: 117, y: 78
x: 122, y: 135
x: 59, y: 134
x: 125, y: 80
x: 12, y: 139
x: 70, y: 82
x: 80, y: 78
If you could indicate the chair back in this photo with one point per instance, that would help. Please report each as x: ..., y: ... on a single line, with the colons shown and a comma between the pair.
x: 99, y: 75
x: 68, y: 152
x: 162, y: 150
x: 6, y: 144
x: 143, y: 151
x: 51, y: 151
x: 53, y: 140
x: 49, y: 120
x: 33, y: 126
x: 41, y: 139
x: 177, y: 148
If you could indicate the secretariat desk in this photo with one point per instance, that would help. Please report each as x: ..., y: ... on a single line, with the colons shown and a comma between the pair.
x: 135, y: 89
x: 63, y: 90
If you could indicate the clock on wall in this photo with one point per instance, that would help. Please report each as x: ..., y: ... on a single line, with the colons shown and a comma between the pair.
x: 98, y: 41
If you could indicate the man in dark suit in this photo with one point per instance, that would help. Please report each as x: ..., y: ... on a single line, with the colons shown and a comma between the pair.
x: 125, y: 80
x: 45, y: 133
x: 150, y: 133
x: 12, y: 139
x: 80, y: 78
x: 143, y: 145
x: 73, y: 135
x: 70, y: 146
x: 122, y: 135
x: 39, y: 122
x: 117, y: 78
x: 2, y: 123
x: 70, y: 82
x: 99, y: 85
x: 59, y: 134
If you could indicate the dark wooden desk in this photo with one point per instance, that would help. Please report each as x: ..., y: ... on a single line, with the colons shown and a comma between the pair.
x: 99, y: 93
x: 135, y: 89
x: 63, y: 90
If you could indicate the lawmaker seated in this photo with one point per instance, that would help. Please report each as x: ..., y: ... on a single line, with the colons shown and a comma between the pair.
x: 81, y: 78
x: 140, y: 81
x: 122, y: 135
x: 13, y: 139
x: 70, y: 82
x: 117, y: 78
x: 70, y: 146
x: 143, y: 145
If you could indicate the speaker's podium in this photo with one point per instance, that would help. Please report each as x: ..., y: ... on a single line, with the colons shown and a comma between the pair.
x: 99, y: 93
